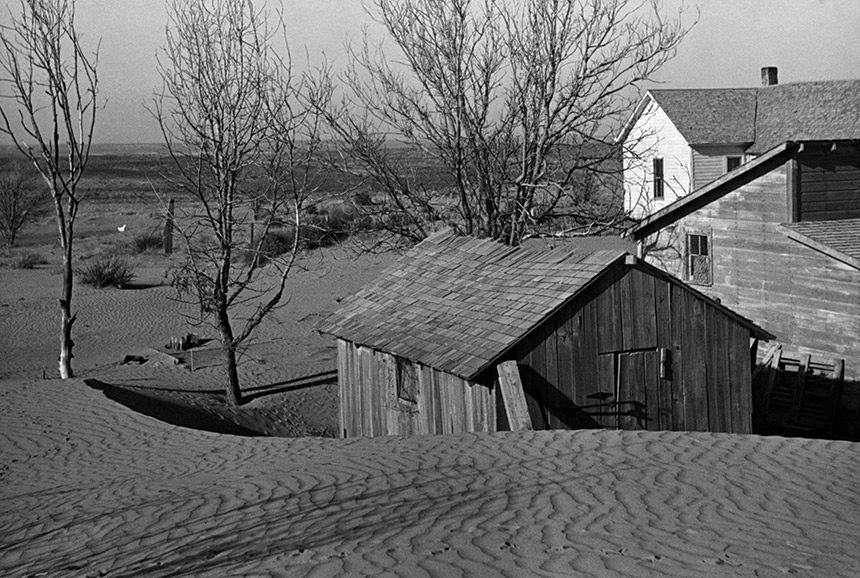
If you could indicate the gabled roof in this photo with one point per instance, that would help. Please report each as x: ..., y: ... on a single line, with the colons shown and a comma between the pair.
x: 762, y: 117
x: 837, y: 239
x: 457, y: 303
x: 726, y: 116
x: 714, y: 190
x: 807, y: 111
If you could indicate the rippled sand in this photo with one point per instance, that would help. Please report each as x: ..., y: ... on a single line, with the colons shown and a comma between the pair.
x: 90, y: 488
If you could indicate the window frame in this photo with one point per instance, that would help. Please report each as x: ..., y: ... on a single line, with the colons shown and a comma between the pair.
x: 731, y: 158
x: 708, y: 255
x: 406, y: 381
x: 658, y: 191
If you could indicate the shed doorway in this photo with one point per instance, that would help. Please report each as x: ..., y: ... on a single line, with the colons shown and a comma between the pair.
x: 642, y: 390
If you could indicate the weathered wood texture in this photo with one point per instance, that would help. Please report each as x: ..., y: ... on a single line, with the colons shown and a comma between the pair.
x: 809, y: 301
x: 371, y: 406
x: 511, y: 387
x: 638, y: 351
x: 829, y: 184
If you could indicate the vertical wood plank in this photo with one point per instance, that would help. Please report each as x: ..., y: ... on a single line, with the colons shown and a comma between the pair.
x: 679, y: 378
x: 604, y: 392
x: 513, y: 396
x: 425, y: 400
x: 742, y: 375
x: 627, y: 309
x: 644, y: 319
x: 342, y: 387
x: 696, y: 365
x: 651, y: 390
x: 568, y: 393
x: 608, y: 319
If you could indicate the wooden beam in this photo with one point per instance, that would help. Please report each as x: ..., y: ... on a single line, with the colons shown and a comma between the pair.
x: 765, y: 363
x: 835, y: 390
x: 513, y: 396
x: 797, y: 402
x: 774, y: 370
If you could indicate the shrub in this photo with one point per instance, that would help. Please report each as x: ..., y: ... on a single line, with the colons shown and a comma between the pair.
x: 110, y: 271
x: 148, y: 242
x: 30, y: 261
x: 277, y: 242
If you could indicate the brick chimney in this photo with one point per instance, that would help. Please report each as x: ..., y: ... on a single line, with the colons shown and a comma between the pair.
x: 769, y: 76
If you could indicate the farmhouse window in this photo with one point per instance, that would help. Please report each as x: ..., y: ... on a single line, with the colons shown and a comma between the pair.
x: 658, y: 178
x: 407, y: 381
x: 732, y: 163
x: 699, y: 270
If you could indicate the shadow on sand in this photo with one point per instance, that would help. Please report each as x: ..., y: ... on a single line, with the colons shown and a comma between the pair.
x: 196, y: 410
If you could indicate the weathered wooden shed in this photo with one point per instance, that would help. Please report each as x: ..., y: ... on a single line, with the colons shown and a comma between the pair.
x: 601, y: 339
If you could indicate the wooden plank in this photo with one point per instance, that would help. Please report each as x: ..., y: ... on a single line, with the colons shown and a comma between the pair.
x: 695, y: 365
x: 631, y: 392
x: 679, y: 352
x: 765, y: 362
x: 835, y: 391
x: 550, y: 396
x: 651, y: 390
x: 513, y: 396
x: 342, y: 384
x: 627, y: 308
x: 457, y: 399
x: 741, y: 376
x: 797, y: 402
x: 567, y: 394
x: 608, y: 319
x: 602, y: 392
x: 773, y: 372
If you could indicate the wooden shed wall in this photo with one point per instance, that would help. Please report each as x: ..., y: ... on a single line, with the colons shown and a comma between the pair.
x: 597, y: 362
x: 370, y: 405
x: 829, y: 184
x: 809, y: 301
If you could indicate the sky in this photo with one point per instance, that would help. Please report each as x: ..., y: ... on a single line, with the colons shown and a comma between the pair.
x: 732, y: 40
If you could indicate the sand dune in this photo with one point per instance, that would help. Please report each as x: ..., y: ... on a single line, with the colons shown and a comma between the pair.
x: 90, y: 488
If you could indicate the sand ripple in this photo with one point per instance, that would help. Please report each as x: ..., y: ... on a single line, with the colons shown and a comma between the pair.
x: 91, y: 489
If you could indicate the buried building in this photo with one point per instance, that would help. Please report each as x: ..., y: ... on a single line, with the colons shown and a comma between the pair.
x: 600, y: 340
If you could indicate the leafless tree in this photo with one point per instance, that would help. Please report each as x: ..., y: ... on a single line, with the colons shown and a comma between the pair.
x: 517, y: 100
x: 50, y: 85
x: 242, y: 137
x: 20, y: 200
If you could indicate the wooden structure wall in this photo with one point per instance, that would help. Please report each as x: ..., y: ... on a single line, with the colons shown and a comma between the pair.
x: 809, y: 301
x: 371, y: 406
x: 709, y: 162
x: 639, y: 351
x: 829, y: 183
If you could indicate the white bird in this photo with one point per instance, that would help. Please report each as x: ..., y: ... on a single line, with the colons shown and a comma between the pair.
x: 121, y: 229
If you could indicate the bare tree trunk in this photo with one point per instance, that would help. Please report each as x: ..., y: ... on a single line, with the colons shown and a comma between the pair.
x: 228, y: 345
x: 66, y: 317
x: 234, y: 394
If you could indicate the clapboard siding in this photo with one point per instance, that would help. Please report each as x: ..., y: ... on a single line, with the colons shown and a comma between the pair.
x: 654, y: 136
x: 809, y: 301
x: 709, y: 162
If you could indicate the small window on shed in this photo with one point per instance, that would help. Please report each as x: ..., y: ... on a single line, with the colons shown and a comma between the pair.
x: 699, y: 270
x: 732, y: 163
x: 658, y: 178
x: 407, y: 381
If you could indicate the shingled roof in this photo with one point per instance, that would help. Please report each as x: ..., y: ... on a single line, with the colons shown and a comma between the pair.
x: 457, y: 303
x: 807, y: 111
x: 838, y: 239
x: 762, y: 117
x: 711, y: 115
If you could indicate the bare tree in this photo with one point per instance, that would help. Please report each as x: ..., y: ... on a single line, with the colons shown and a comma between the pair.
x: 20, y: 200
x: 517, y: 100
x: 242, y: 138
x: 49, y: 111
